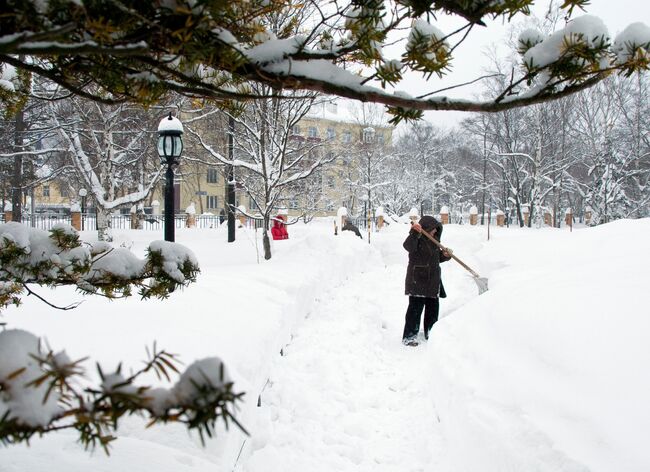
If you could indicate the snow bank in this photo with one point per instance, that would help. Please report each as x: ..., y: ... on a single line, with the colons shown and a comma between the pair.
x: 239, y: 310
x: 546, y: 370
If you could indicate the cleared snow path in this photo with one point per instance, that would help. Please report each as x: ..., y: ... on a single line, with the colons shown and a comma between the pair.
x: 347, y: 395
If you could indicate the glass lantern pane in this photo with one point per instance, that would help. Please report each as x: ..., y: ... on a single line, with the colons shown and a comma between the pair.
x: 169, y: 146
x: 161, y: 149
x: 178, y: 146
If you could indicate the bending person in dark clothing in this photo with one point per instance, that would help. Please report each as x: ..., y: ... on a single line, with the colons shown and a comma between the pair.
x: 423, y: 284
x: 348, y: 226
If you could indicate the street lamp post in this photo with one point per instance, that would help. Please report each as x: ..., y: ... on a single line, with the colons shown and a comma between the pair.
x: 170, y: 146
x: 82, y: 193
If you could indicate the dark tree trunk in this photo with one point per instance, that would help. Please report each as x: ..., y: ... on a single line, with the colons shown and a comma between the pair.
x: 17, y: 177
x: 266, y: 242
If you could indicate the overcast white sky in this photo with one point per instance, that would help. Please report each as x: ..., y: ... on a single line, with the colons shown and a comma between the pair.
x: 470, y: 59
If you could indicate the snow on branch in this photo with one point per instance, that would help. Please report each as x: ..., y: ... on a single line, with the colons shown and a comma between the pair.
x: 45, y: 391
x: 215, y: 49
x: 57, y: 257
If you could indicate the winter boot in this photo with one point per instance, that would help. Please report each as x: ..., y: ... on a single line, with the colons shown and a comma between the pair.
x: 410, y: 342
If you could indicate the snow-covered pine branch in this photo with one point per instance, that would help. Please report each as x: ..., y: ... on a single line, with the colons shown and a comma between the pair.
x: 31, y: 256
x: 45, y: 391
x: 215, y: 50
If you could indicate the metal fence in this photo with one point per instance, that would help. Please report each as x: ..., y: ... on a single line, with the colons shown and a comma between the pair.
x: 149, y: 222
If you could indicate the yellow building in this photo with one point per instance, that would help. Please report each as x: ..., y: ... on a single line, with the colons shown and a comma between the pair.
x: 343, y: 134
x: 340, y: 134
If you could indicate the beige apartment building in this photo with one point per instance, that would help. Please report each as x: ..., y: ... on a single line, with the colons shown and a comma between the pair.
x: 341, y: 135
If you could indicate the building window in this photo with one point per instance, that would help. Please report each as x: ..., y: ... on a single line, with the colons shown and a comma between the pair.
x: 211, y: 202
x: 295, y: 130
x: 331, y: 134
x: 293, y: 204
x: 380, y: 138
x: 331, y: 107
x: 368, y: 135
x: 64, y: 192
x: 312, y: 132
x: 46, y: 190
x: 213, y: 175
x: 347, y: 137
x: 330, y: 181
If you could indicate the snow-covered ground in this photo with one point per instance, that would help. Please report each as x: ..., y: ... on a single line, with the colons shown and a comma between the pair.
x: 546, y: 371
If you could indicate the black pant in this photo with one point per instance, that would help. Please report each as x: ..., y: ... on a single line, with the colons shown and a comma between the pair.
x: 414, y: 311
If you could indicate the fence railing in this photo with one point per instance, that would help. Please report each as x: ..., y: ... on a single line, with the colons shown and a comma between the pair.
x: 148, y: 222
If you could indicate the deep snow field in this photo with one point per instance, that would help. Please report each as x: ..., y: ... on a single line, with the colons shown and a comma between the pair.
x: 547, y: 371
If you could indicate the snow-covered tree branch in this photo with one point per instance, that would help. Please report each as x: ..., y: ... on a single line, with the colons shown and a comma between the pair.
x: 45, y: 391
x: 213, y: 49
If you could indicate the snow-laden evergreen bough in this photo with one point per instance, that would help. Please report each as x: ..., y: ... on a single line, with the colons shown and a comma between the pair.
x: 57, y: 257
x: 42, y: 391
x: 139, y: 51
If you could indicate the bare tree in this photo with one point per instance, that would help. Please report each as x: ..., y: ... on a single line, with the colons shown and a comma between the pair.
x: 110, y: 148
x: 269, y: 159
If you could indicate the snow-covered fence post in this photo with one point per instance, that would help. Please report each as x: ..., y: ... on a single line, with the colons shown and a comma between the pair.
x: 473, y: 216
x: 526, y: 212
x: 588, y: 214
x: 75, y: 216
x: 548, y: 218
x: 413, y: 215
x: 501, y: 218
x: 8, y: 211
x: 190, y: 220
x: 242, y: 215
x: 444, y: 215
x: 341, y: 213
x: 379, y: 214
x: 568, y: 218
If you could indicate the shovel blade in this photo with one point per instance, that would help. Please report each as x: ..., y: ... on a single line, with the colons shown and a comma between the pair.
x: 482, y: 284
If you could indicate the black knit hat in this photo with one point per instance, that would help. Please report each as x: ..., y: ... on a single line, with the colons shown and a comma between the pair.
x: 428, y: 223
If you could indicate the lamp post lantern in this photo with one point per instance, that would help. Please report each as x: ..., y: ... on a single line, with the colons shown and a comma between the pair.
x: 82, y: 193
x: 170, y: 146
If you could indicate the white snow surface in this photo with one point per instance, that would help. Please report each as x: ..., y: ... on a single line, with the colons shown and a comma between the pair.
x: 544, y: 372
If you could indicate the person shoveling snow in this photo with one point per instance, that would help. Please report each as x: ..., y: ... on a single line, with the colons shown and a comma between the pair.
x: 423, y: 284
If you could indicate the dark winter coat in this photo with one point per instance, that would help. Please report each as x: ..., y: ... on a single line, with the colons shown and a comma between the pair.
x: 350, y: 227
x: 423, y: 272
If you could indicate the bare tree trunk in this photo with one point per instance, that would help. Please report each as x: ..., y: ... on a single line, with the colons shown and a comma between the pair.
x: 484, y: 177
x: 103, y: 225
x: 266, y: 242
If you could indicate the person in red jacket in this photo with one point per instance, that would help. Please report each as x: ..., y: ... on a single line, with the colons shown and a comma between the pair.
x: 279, y: 230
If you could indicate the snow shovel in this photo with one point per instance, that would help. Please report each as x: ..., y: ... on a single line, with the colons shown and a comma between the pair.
x: 481, y: 282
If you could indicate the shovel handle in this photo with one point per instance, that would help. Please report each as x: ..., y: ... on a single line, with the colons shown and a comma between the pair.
x: 444, y: 249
